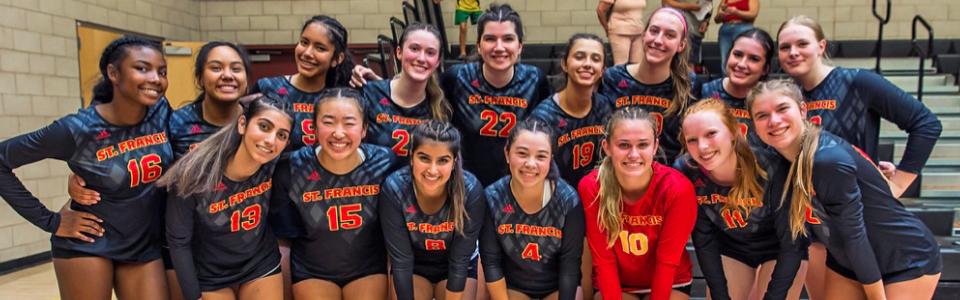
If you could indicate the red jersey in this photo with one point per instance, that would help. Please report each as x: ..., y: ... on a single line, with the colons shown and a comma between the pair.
x: 649, y: 253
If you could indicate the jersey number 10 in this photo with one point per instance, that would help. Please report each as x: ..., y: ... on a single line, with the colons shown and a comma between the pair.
x: 633, y: 243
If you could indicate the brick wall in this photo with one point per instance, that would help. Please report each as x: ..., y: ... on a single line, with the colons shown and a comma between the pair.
x: 39, y: 82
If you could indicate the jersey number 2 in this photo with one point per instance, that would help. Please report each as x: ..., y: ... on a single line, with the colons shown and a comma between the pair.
x: 403, y: 138
x: 146, y: 170
x: 492, y: 119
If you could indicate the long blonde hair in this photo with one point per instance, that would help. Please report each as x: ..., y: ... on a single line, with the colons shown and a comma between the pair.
x: 439, y: 107
x: 610, y: 196
x: 746, y: 190
x: 799, y: 183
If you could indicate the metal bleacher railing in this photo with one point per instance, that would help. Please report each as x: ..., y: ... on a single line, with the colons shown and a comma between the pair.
x: 920, y: 52
x: 882, y: 22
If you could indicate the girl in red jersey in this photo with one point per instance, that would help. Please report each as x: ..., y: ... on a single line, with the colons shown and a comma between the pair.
x: 639, y: 215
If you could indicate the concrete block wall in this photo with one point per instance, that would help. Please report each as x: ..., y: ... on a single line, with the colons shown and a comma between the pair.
x: 39, y: 82
x: 549, y: 21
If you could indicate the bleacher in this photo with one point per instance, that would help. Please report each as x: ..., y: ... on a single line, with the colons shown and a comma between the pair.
x: 935, y: 197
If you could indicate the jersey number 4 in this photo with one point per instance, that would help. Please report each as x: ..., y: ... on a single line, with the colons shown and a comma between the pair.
x: 344, y: 217
x: 531, y: 252
x: 492, y: 119
x: 146, y: 170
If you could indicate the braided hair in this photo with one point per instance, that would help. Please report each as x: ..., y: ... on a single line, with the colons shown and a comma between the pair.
x: 115, y: 52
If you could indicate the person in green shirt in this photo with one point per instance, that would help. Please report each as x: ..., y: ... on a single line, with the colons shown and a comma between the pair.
x: 466, y: 9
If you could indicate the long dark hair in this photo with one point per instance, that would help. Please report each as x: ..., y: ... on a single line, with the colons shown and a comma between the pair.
x: 566, y: 53
x: 201, y: 170
x: 329, y: 94
x: 339, y: 75
x: 204, y: 54
x: 435, y: 131
x: 769, y: 47
x: 537, y: 126
x: 114, y: 54
x: 500, y: 13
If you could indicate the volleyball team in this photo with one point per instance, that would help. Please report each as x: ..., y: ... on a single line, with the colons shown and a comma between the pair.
x: 482, y: 182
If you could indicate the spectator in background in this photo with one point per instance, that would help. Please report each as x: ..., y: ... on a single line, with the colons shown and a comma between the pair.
x: 736, y: 16
x: 623, y: 22
x: 466, y: 9
x: 697, y: 13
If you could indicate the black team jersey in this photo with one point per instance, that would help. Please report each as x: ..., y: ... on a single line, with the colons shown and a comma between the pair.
x: 578, y: 139
x: 188, y: 128
x: 342, y: 238
x: 738, y: 107
x: 850, y: 103
x: 218, y: 239
x: 624, y: 90
x: 868, y: 233
x: 301, y: 108
x: 388, y: 124
x: 750, y: 239
x: 427, y: 244
x: 485, y: 114
x: 119, y: 162
x: 537, y: 253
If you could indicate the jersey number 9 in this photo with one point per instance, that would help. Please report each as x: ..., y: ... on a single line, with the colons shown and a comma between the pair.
x: 309, y: 132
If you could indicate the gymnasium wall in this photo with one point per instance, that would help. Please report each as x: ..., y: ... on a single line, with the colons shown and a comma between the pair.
x: 39, y: 77
x: 39, y: 82
x: 550, y: 21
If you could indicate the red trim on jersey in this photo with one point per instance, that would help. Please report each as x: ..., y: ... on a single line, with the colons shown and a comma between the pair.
x: 656, y: 229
